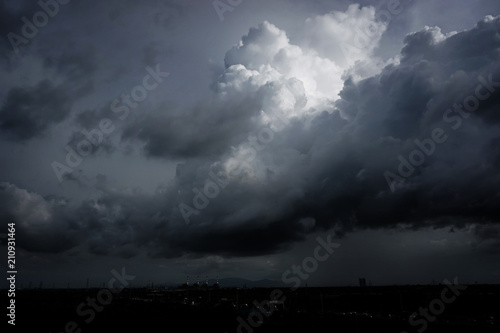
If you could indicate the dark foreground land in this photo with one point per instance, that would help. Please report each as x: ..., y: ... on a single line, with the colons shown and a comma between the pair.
x: 335, y: 309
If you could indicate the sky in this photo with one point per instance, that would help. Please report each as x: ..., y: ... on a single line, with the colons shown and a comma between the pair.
x: 232, y: 138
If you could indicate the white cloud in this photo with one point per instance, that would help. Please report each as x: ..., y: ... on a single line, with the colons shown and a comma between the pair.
x: 344, y: 37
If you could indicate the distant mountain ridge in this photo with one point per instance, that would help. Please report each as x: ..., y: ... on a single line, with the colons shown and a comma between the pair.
x: 239, y: 282
x: 235, y: 283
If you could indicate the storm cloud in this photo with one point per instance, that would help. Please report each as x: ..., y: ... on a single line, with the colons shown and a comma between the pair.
x: 325, y: 165
x: 299, y: 131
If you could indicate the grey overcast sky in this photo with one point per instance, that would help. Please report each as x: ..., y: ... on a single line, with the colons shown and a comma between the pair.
x: 195, y: 137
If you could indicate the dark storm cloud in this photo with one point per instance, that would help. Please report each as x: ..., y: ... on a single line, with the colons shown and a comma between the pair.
x: 487, y: 238
x: 251, y: 239
x: 332, y: 170
x: 406, y: 102
x: 104, y: 226
x: 71, y: 57
x: 152, y: 51
x: 10, y: 20
x: 324, y: 167
x: 87, y: 122
x: 163, y: 13
x: 42, y: 224
x: 205, y: 130
x: 123, y: 223
x: 77, y: 68
x: 57, y: 81
x: 27, y: 112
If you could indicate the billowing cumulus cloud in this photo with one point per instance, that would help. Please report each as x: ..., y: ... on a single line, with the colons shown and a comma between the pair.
x: 264, y: 72
x: 293, y: 142
x: 334, y: 160
x: 345, y: 37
